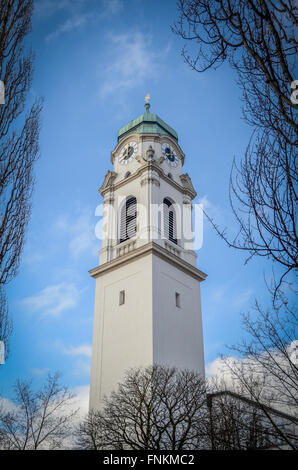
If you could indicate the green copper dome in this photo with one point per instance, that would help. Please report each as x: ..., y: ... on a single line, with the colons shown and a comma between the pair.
x: 147, y: 123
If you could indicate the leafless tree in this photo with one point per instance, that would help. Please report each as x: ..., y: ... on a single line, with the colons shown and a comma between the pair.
x: 266, y: 368
x: 258, y: 39
x: 236, y: 423
x: 154, y: 408
x: 37, y: 420
x: 161, y: 408
x: 19, y: 135
x: 5, y: 323
x: 91, y: 433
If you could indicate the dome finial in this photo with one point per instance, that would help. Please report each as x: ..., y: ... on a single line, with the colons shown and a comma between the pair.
x: 147, y: 105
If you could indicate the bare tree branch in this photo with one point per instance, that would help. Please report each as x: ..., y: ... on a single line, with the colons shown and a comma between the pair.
x: 5, y: 323
x: 154, y: 408
x: 18, y: 136
x: 258, y: 40
x: 39, y: 420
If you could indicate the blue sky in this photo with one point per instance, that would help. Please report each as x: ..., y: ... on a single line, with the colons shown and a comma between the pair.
x: 95, y: 62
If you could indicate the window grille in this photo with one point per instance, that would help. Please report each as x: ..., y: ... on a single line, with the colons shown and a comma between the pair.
x: 169, y: 221
x: 128, y: 223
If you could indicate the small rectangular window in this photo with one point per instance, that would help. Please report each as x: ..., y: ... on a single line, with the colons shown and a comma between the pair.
x: 121, y: 297
x: 178, y: 300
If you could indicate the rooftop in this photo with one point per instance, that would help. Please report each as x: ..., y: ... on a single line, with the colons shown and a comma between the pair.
x: 147, y: 123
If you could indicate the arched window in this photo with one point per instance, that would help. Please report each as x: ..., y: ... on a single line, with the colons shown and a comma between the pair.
x: 169, y: 218
x: 128, y: 219
x: 170, y: 175
x: 127, y: 174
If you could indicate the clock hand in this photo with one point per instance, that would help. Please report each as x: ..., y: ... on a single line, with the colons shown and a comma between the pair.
x: 125, y: 154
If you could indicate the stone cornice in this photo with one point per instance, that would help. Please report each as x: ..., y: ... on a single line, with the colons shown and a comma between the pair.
x: 149, y: 249
x: 108, y: 181
x: 145, y: 167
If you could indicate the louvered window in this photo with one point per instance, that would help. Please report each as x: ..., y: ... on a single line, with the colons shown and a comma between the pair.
x: 169, y: 218
x: 128, y: 223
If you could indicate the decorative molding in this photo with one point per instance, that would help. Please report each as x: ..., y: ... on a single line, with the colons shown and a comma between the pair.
x: 109, y: 199
x: 145, y: 250
x: 147, y: 165
x: 140, y: 160
x: 186, y: 182
x: 150, y: 177
x: 150, y: 154
x: 109, y: 179
x: 172, y: 249
x: 186, y: 200
x: 150, y: 180
x: 122, y: 249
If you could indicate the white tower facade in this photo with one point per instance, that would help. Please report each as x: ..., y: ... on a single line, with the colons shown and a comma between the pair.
x: 147, y: 297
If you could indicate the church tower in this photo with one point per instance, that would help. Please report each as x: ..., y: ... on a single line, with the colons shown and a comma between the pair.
x: 147, y: 296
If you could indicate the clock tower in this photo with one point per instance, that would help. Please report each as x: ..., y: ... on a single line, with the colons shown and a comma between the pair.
x: 147, y: 295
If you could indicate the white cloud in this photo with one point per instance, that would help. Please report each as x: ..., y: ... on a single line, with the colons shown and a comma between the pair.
x: 219, y: 368
x: 108, y: 9
x: 53, y: 300
x: 7, y: 405
x: 36, y: 371
x: 81, y: 231
x: 206, y: 203
x: 227, y: 294
x: 31, y: 257
x: 267, y: 374
x: 79, y: 12
x: 81, y: 367
x: 81, y: 400
x: 112, y: 7
x: 79, y: 404
x: 81, y: 350
x: 218, y: 294
x: 214, y: 211
x: 133, y: 62
x: 75, y: 22
x: 220, y: 216
x: 242, y: 298
x: 47, y: 8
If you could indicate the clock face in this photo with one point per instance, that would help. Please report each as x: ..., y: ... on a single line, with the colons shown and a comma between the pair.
x: 170, y: 154
x: 128, y: 152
